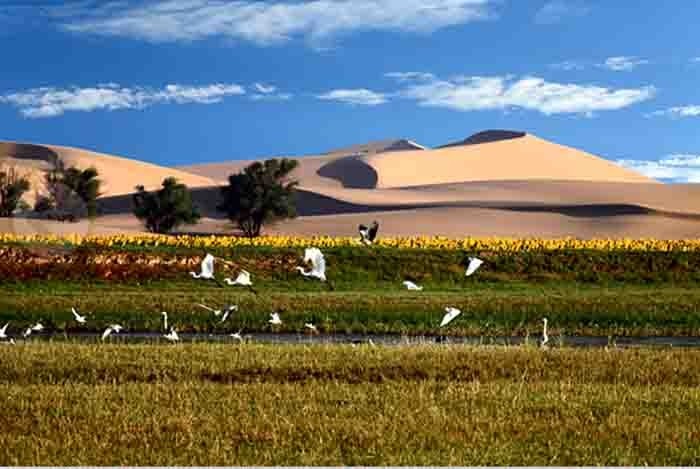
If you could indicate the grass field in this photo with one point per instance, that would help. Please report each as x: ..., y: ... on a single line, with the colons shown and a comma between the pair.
x: 291, y: 405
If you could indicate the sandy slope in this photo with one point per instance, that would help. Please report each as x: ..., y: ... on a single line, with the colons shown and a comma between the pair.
x: 119, y: 175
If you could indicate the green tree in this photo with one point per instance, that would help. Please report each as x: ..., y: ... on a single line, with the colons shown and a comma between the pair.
x: 84, y: 183
x: 12, y: 188
x: 165, y: 209
x: 261, y: 193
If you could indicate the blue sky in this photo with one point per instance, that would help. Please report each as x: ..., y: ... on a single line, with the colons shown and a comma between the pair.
x: 187, y: 81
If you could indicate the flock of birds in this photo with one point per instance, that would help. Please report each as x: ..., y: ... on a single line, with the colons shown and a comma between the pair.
x: 312, y: 256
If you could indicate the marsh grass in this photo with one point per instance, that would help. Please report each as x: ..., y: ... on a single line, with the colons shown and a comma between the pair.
x: 261, y: 405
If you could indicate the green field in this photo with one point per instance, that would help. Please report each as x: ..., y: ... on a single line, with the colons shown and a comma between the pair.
x: 336, y: 405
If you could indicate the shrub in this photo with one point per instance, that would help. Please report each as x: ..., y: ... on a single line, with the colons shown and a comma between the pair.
x: 165, y: 209
x: 12, y: 188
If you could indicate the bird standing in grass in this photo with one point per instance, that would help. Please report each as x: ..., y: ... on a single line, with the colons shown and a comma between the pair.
x: 368, y: 235
x: 450, y: 314
x: 474, y: 264
x: 80, y: 319
x: 412, y: 286
x: 545, y: 337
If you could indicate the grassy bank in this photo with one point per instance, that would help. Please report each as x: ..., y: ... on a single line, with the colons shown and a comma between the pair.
x: 262, y: 405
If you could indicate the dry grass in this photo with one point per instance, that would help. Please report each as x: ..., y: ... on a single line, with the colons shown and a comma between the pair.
x: 293, y: 405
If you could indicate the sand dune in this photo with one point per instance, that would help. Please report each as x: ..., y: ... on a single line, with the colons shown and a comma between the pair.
x: 496, y: 183
x: 119, y: 175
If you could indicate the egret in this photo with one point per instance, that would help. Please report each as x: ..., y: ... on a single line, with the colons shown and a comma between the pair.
x: 227, y: 311
x: 207, y: 270
x: 116, y: 328
x: 545, y: 337
x: 172, y: 335
x: 242, y: 279
x: 368, y: 235
x: 3, y: 331
x: 37, y: 327
x: 78, y: 317
x: 237, y: 335
x: 165, y: 320
x: 450, y: 314
x: 474, y: 263
x: 217, y: 312
x: 318, y: 264
x: 411, y: 286
x: 275, y: 319
x: 311, y: 327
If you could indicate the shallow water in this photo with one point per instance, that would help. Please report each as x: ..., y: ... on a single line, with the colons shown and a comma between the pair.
x: 376, y: 339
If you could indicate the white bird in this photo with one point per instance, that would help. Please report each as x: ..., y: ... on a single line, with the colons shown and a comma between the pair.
x: 165, y: 320
x: 242, y: 279
x: 275, y: 319
x: 237, y: 335
x: 411, y: 286
x: 227, y: 311
x: 545, y: 337
x: 368, y: 235
x: 207, y: 271
x: 450, y: 314
x: 172, y: 335
x: 78, y: 317
x: 217, y: 312
x: 318, y: 264
x: 38, y: 327
x: 311, y: 327
x: 3, y: 331
x: 116, y: 328
x: 474, y: 263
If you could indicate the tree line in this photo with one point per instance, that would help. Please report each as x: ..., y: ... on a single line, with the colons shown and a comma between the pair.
x: 261, y: 193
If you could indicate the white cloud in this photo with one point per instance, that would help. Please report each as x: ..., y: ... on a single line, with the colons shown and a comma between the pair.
x: 675, y: 168
x: 361, y: 97
x: 623, y: 63
x: 692, y: 110
x: 556, y: 11
x: 271, y: 22
x: 263, y: 88
x: 271, y: 96
x: 410, y: 76
x: 470, y: 93
x: 568, y: 65
x: 49, y: 102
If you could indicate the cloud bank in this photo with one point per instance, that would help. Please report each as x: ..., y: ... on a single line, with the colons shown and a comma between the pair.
x: 674, y: 168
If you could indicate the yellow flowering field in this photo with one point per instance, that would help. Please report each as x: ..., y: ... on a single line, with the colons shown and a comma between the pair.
x: 412, y: 242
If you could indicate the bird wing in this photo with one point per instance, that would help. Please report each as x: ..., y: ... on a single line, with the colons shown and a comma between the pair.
x: 208, y: 265
x: 474, y: 263
x: 106, y: 333
x: 205, y: 307
x: 75, y: 313
x: 318, y: 262
x: 449, y: 316
x: 373, y: 231
x: 4, y: 328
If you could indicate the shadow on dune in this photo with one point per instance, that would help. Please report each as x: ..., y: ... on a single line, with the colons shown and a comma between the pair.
x: 351, y: 171
x: 27, y: 151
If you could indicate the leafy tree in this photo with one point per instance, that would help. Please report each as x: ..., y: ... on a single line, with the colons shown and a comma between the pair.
x: 12, y: 188
x: 71, y: 192
x: 84, y: 184
x: 261, y: 193
x: 166, y: 208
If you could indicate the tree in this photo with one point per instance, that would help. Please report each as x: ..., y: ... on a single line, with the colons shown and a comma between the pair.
x: 71, y: 192
x: 12, y: 188
x: 166, y: 208
x: 84, y: 184
x: 261, y: 193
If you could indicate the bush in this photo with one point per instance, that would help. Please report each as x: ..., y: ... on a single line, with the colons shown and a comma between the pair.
x: 260, y: 194
x: 166, y: 209
x: 12, y: 188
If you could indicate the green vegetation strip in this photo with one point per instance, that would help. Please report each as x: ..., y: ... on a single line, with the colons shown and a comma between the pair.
x: 263, y: 405
x: 513, y: 308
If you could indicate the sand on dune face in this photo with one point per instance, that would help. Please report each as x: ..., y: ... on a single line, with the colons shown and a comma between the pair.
x: 523, y: 158
x: 119, y: 175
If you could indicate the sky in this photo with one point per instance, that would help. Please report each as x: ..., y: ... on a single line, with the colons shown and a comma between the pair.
x: 178, y: 82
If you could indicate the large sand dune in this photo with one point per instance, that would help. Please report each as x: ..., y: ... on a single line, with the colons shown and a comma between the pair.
x: 494, y: 183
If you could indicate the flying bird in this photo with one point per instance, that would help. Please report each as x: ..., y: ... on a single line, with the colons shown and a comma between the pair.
x: 237, y: 335
x: 311, y: 327
x: 275, y: 319
x: 116, y: 328
x: 545, y: 337
x: 411, y: 286
x: 217, y: 312
x: 368, y: 235
x: 78, y: 317
x: 318, y: 264
x: 227, y: 311
x: 3, y: 331
x: 450, y: 314
x: 35, y: 328
x: 172, y: 335
x: 242, y: 279
x: 207, y: 271
x: 474, y: 263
